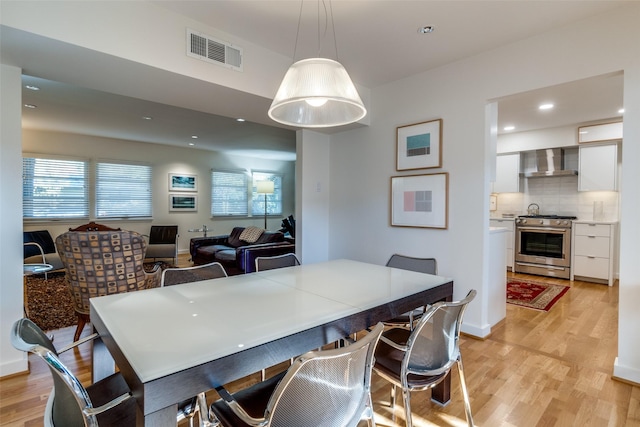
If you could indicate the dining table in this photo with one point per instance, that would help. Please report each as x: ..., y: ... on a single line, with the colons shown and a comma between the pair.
x: 171, y: 343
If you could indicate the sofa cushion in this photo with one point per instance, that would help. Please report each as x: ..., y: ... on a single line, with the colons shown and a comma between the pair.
x: 270, y: 237
x: 226, y: 255
x: 234, y: 237
x: 251, y: 234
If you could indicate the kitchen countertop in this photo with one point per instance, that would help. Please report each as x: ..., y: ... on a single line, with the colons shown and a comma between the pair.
x: 585, y: 221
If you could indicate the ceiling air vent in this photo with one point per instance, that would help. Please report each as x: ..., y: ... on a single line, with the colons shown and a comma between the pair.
x: 207, y: 48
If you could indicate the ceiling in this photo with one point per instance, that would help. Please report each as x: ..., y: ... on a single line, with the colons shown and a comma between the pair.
x: 377, y: 41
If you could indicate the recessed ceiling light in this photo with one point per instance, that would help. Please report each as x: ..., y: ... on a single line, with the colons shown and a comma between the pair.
x: 426, y: 29
x: 30, y: 106
x: 547, y: 106
x: 30, y: 87
x: 191, y: 144
x: 621, y: 111
x: 147, y: 118
x: 239, y: 119
x: 194, y: 136
x: 509, y: 128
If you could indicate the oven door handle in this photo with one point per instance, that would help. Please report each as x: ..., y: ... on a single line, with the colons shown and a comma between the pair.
x: 538, y: 229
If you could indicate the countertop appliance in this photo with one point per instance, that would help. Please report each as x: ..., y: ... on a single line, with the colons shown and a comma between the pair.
x: 543, y: 245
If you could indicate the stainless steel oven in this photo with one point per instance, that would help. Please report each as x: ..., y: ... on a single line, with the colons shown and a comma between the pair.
x: 543, y: 245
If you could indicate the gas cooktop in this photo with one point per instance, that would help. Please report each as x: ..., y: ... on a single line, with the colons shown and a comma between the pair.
x: 548, y: 216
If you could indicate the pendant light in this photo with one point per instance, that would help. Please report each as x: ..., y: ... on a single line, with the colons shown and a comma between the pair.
x: 317, y: 92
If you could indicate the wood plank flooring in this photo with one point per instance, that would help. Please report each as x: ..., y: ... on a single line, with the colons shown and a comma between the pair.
x: 536, y: 369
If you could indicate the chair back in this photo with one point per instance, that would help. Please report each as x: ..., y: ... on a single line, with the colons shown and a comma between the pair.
x: 420, y: 265
x: 433, y: 346
x: 101, y: 263
x: 177, y: 276
x: 33, y: 239
x: 68, y: 393
x: 163, y: 234
x: 278, y: 261
x: 330, y: 388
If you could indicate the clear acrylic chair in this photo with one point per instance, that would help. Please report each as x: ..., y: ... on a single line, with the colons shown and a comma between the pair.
x: 420, y: 265
x: 177, y: 276
x: 279, y: 261
x: 420, y: 359
x: 321, y: 388
x: 107, y: 402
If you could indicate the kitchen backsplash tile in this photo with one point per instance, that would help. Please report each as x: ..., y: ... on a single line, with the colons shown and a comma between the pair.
x: 558, y: 195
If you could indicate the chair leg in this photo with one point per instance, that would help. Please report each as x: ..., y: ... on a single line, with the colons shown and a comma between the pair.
x: 82, y: 321
x: 406, y: 396
x: 392, y: 402
x: 465, y: 394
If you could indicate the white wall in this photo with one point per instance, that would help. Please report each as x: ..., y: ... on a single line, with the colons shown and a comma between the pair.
x: 165, y: 159
x: 10, y: 217
x: 363, y: 160
x: 312, y: 196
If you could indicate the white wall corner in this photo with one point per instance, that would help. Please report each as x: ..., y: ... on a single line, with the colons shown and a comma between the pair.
x: 626, y: 373
x: 476, y: 331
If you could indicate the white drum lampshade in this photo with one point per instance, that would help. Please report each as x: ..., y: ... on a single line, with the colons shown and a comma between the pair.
x: 316, y: 93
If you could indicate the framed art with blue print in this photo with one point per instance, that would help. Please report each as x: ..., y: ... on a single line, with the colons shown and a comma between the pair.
x: 419, y: 146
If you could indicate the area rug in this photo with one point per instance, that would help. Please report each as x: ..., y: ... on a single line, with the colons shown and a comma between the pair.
x: 538, y: 296
x: 48, y: 302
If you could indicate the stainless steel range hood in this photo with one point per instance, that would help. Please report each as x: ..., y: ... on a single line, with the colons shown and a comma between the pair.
x: 550, y: 162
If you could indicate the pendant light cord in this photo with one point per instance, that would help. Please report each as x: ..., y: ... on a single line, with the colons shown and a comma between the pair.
x: 324, y: 35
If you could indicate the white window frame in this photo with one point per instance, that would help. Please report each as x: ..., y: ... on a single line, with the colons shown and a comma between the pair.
x: 124, y: 195
x: 230, y: 207
x: 71, y: 206
x: 274, y: 201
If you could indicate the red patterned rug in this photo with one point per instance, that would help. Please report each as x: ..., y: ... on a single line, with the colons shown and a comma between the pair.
x: 539, y: 296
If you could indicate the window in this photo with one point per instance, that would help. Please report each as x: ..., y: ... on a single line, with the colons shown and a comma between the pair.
x: 229, y: 193
x: 274, y: 201
x: 54, y: 189
x: 123, y: 190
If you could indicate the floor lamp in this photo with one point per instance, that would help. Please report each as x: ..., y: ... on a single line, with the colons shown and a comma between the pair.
x: 265, y: 187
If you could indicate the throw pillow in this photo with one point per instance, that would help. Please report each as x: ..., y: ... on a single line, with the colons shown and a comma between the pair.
x: 251, y: 234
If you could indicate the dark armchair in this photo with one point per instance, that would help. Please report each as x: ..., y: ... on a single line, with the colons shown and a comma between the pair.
x: 163, y: 242
x: 40, y: 249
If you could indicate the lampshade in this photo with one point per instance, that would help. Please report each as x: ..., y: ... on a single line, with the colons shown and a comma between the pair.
x: 315, y: 93
x: 264, y: 187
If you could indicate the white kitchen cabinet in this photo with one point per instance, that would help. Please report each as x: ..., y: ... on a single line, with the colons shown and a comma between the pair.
x: 508, y: 179
x: 598, y: 167
x: 510, y: 237
x: 601, y: 132
x: 593, y: 249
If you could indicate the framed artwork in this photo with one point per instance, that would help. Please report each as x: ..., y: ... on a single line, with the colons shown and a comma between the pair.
x: 183, y: 203
x: 420, y: 200
x: 419, y: 146
x: 182, y: 182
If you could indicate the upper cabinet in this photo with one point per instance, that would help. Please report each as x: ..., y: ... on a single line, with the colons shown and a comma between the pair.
x: 508, y: 179
x: 599, y: 133
x: 598, y: 167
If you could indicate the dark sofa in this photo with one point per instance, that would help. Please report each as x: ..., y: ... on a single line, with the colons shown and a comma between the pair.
x: 236, y: 255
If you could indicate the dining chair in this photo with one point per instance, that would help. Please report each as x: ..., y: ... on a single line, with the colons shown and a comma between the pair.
x: 420, y: 265
x: 163, y: 242
x: 108, y: 402
x: 328, y: 388
x: 277, y: 261
x: 420, y: 359
x: 101, y: 262
x: 177, y: 276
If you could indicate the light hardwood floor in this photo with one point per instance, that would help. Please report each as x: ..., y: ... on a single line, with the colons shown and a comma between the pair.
x: 536, y: 369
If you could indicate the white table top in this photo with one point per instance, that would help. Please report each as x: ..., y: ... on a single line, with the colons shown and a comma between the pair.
x: 166, y: 330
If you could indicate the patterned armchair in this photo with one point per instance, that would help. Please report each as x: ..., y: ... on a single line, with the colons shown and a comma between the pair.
x: 99, y: 263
